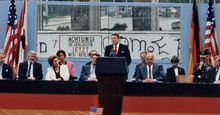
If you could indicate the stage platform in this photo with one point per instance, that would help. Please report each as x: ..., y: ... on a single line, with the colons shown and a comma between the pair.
x: 75, y: 98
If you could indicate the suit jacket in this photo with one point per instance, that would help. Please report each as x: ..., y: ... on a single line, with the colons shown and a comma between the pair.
x: 136, y: 70
x: 64, y: 73
x: 6, y: 72
x: 37, y: 70
x: 157, y: 71
x: 170, y: 76
x: 85, y: 72
x: 211, y: 75
x: 123, y: 51
x: 200, y: 75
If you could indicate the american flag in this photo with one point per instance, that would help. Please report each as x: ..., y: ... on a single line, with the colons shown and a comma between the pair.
x: 211, y: 43
x: 95, y: 111
x: 11, y: 40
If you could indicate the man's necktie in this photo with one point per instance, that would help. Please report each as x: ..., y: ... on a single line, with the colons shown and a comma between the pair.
x: 29, y: 69
x: 116, y: 51
x: 149, y: 72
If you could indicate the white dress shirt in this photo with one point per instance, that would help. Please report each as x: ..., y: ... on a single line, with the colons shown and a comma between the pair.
x: 151, y: 67
x: 1, y: 68
x: 217, y: 75
x: 92, y: 75
x: 176, y: 71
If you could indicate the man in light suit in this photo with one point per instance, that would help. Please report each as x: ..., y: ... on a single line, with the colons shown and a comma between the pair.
x: 117, y: 49
x: 174, y: 71
x: 5, y: 70
x: 88, y: 71
x: 30, y: 69
x: 150, y: 72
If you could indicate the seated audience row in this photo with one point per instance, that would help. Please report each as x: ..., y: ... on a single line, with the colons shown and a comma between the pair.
x: 147, y: 71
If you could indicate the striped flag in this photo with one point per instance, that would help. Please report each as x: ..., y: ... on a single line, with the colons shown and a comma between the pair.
x: 95, y: 111
x: 195, y: 45
x: 22, y: 32
x: 16, y: 40
x: 211, y: 43
x: 11, y: 39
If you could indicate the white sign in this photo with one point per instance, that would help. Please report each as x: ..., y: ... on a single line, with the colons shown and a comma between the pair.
x: 80, y: 45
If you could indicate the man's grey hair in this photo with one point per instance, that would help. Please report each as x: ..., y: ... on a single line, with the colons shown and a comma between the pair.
x: 32, y: 52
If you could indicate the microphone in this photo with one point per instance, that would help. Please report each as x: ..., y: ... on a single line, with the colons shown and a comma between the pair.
x: 112, y: 53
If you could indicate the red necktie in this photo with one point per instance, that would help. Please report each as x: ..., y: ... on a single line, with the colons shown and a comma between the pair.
x: 116, y: 51
x: 149, y: 72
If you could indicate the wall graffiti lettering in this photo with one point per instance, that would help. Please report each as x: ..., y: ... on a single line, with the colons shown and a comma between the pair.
x: 163, y: 45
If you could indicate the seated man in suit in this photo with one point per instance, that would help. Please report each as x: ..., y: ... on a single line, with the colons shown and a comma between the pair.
x: 91, y: 53
x: 213, y: 74
x: 200, y: 69
x: 30, y: 69
x: 5, y: 70
x: 150, y: 72
x: 142, y: 57
x: 88, y: 71
x: 174, y: 71
x: 117, y: 49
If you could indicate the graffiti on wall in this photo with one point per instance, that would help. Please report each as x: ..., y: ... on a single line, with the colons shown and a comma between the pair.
x: 163, y: 45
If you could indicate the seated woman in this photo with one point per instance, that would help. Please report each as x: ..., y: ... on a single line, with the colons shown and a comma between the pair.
x: 56, y: 72
x: 174, y: 71
x: 62, y: 55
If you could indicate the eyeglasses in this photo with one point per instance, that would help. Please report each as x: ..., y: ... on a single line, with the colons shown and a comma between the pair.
x: 203, y: 57
x: 149, y: 59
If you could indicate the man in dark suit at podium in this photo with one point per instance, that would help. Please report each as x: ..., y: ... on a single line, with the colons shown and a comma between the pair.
x: 117, y: 49
x: 5, y: 70
x: 30, y: 69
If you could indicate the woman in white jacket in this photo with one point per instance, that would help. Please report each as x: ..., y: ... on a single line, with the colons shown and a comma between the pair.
x: 56, y: 72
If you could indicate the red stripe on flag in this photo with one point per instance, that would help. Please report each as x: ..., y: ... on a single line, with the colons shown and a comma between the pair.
x: 195, y: 40
x: 211, y: 43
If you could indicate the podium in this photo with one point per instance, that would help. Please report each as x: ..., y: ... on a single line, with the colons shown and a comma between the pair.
x: 111, y: 73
